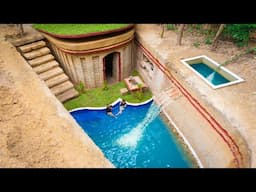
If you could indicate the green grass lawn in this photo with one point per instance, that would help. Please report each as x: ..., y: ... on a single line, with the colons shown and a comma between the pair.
x: 100, y: 98
x: 76, y: 29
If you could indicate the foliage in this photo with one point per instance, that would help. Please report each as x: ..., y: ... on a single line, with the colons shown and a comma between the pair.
x: 190, y: 29
x: 105, y: 86
x: 140, y: 86
x: 139, y: 93
x: 208, y: 41
x: 80, y: 87
x: 135, y: 73
x: 76, y: 29
x: 208, y: 32
x: 196, y: 44
x: 251, y: 50
x: 99, y: 98
x: 197, y: 26
x: 170, y: 27
x: 239, y: 33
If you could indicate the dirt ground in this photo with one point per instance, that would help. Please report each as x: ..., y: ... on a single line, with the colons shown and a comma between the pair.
x: 35, y: 128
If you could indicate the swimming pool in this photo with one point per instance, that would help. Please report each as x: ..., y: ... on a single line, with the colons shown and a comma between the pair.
x: 138, y: 138
x: 211, y: 72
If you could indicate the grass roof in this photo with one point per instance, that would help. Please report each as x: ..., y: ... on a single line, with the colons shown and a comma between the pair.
x: 77, y: 29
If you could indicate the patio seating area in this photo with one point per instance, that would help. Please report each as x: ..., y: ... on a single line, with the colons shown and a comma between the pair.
x: 134, y: 83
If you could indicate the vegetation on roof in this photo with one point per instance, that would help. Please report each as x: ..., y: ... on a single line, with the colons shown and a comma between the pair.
x: 77, y: 29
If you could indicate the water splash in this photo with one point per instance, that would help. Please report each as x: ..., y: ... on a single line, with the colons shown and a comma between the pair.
x: 211, y: 76
x: 131, y: 139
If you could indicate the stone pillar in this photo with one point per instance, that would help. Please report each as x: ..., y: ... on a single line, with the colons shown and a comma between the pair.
x: 89, y: 72
x: 78, y: 68
x: 98, y: 71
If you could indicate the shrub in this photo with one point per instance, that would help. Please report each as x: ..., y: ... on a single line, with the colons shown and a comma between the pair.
x: 208, y: 41
x: 239, y: 33
x: 105, y: 86
x: 196, y: 44
x: 135, y: 73
x: 251, y: 50
x: 197, y: 26
x: 80, y: 88
x: 170, y: 27
x: 139, y: 93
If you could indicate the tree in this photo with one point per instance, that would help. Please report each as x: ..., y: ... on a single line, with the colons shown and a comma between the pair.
x: 180, y: 33
x: 214, y: 42
x: 162, y: 33
x: 21, y: 29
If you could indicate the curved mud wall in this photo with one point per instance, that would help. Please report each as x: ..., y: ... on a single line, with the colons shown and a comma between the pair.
x: 84, y: 61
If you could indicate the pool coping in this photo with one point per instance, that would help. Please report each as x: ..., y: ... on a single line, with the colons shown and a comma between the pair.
x: 113, y: 103
x: 191, y: 149
x: 239, y: 79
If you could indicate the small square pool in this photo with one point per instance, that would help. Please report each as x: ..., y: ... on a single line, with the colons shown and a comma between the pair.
x: 211, y: 72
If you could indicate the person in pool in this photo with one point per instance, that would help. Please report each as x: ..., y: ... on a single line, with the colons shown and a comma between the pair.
x: 122, y: 106
x: 109, y: 111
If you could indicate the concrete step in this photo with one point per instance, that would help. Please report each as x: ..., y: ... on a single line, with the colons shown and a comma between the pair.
x: 51, y: 73
x: 27, y: 39
x: 37, y: 53
x: 41, y: 60
x: 58, y: 89
x: 69, y: 94
x: 32, y: 46
x: 56, y: 80
x: 45, y: 66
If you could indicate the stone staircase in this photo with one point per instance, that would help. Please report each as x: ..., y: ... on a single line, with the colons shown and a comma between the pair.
x: 39, y: 57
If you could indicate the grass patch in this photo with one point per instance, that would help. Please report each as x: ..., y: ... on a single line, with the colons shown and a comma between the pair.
x: 99, y: 97
x: 76, y: 29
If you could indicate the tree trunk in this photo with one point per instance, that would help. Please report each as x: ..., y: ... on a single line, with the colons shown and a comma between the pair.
x: 214, y: 42
x: 21, y: 29
x: 162, y: 33
x: 180, y: 34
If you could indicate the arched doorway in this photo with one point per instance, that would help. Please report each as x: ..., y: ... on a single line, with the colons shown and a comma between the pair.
x: 112, y: 67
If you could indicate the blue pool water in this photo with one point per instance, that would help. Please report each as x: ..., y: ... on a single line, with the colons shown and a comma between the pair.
x: 138, y: 138
x: 211, y: 75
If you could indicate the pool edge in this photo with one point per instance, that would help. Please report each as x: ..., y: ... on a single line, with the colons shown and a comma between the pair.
x: 113, y: 103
